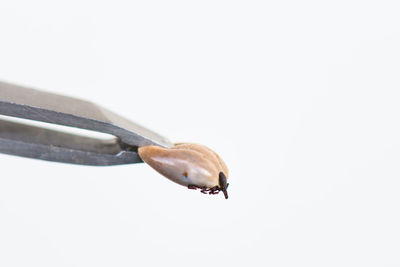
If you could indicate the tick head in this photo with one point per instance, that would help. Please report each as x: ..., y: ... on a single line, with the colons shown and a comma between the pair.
x: 223, y: 185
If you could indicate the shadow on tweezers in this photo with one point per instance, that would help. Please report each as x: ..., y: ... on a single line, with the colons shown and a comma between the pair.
x: 25, y: 140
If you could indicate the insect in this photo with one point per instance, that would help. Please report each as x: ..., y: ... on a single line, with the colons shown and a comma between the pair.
x: 191, y: 165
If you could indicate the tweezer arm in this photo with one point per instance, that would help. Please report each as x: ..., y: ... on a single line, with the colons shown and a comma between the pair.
x: 29, y: 141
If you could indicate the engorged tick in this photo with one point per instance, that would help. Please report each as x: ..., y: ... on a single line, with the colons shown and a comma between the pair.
x: 191, y: 165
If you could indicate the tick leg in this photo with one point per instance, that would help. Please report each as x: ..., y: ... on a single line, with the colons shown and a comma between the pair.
x: 192, y: 186
x: 214, y: 190
x: 205, y: 190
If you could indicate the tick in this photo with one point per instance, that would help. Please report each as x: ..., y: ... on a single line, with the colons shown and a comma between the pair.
x: 191, y: 165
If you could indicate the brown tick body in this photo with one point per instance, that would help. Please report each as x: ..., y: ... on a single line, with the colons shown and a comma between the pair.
x: 191, y: 165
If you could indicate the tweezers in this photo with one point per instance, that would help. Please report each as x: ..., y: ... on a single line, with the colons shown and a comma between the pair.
x: 32, y: 141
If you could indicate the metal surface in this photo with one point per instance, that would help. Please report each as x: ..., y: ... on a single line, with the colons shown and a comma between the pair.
x: 35, y: 142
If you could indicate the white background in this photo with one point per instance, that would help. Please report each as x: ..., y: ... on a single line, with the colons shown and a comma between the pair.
x: 300, y: 98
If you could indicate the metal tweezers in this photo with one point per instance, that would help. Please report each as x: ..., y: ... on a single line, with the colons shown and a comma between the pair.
x: 22, y: 139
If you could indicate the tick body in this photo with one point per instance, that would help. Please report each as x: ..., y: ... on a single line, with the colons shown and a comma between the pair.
x: 191, y: 165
